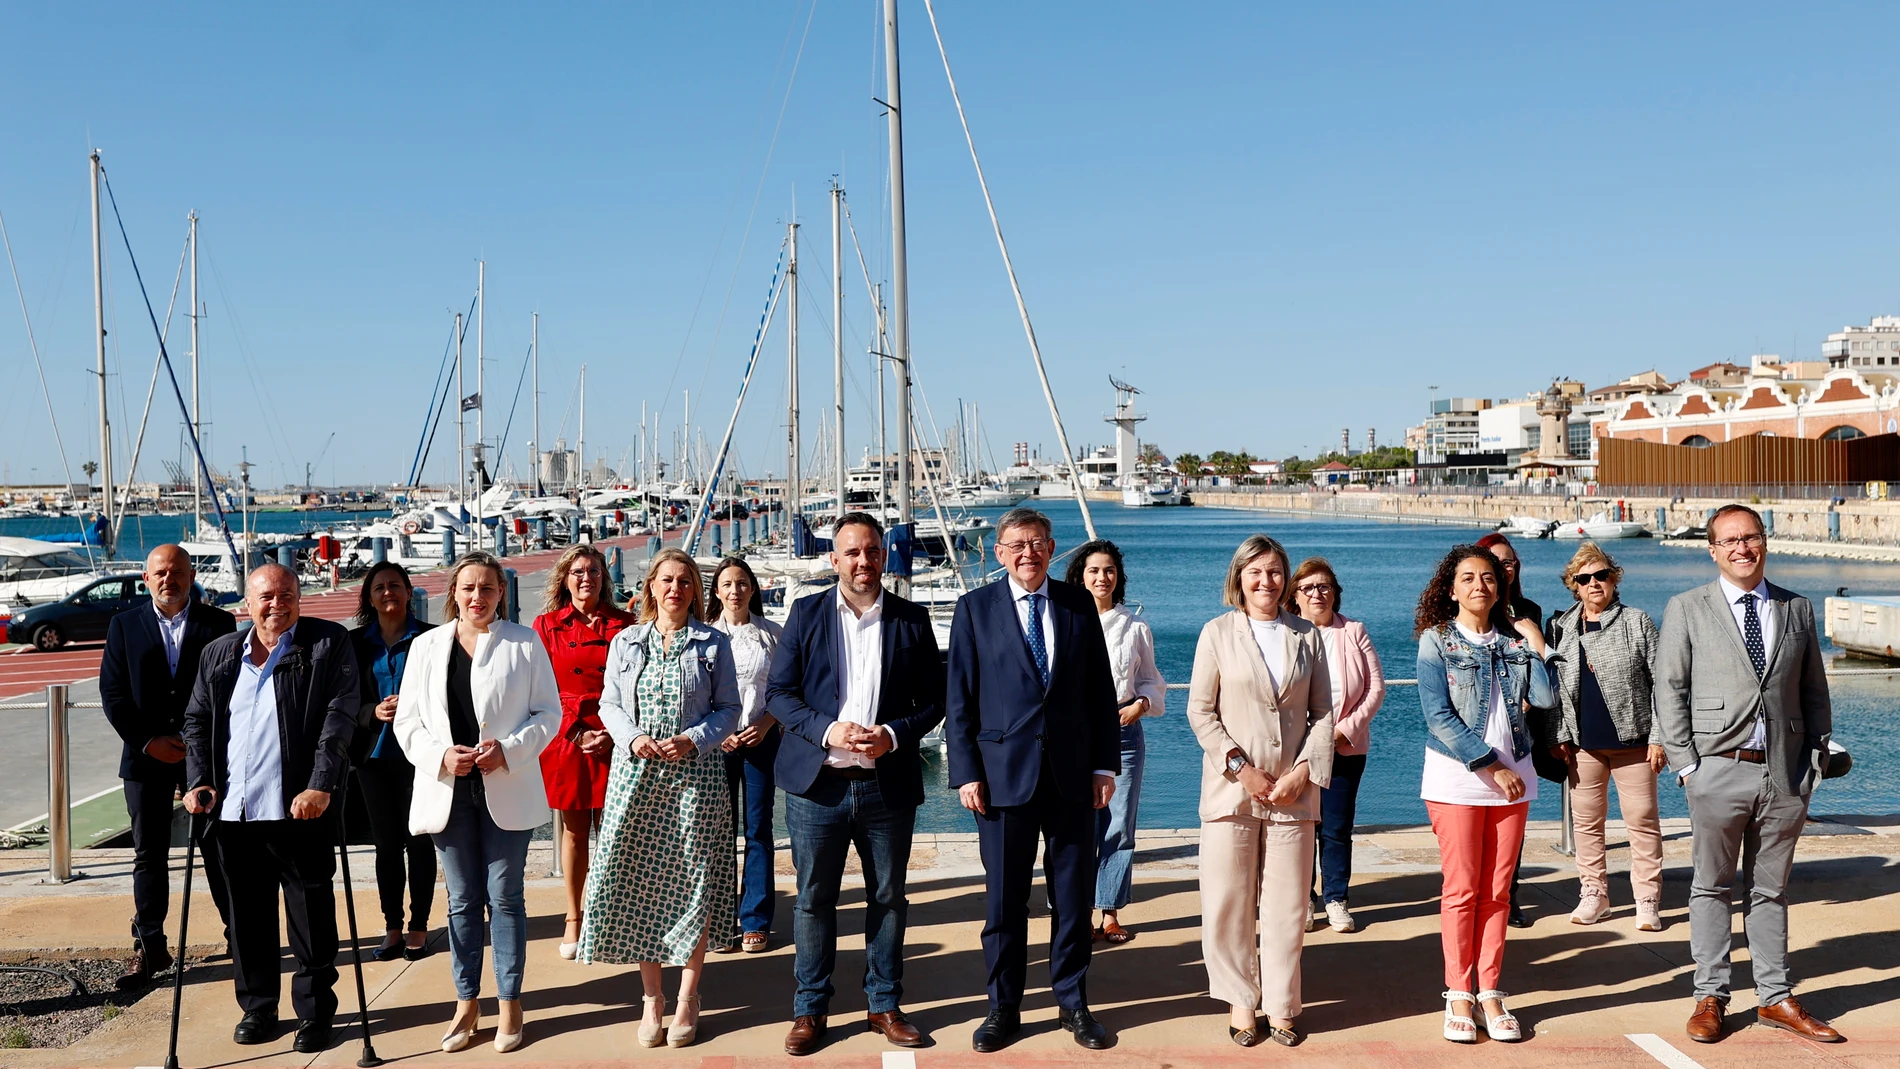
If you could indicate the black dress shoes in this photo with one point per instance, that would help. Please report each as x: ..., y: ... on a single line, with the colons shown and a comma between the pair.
x: 148, y: 960
x: 1087, y: 1030
x: 1517, y: 918
x: 997, y: 1031
x: 256, y: 1027
x: 313, y: 1036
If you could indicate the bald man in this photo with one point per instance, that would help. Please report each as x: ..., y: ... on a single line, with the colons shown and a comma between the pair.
x: 266, y: 738
x: 145, y: 680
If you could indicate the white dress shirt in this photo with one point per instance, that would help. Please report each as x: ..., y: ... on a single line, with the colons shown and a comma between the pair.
x: 860, y: 676
x: 172, y: 630
x: 1270, y: 636
x: 1021, y: 596
x: 254, y: 756
x: 752, y: 646
x: 1767, y: 612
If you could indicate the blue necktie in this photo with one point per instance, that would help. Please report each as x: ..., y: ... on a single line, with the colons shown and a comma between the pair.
x: 1037, y: 649
x: 1751, y: 635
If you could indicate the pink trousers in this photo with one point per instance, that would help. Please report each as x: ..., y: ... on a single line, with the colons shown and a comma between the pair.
x: 1477, y: 848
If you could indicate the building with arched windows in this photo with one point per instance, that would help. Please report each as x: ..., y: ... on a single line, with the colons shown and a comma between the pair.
x: 1841, y: 403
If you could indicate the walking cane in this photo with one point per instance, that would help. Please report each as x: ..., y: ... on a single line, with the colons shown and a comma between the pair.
x: 369, y: 1057
x: 184, y: 926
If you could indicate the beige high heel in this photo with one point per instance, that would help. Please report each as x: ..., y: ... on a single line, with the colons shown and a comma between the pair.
x: 459, y: 1040
x: 651, y: 1035
x: 678, y: 1036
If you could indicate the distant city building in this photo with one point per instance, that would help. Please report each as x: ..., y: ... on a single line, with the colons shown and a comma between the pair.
x: 1452, y: 427
x: 1509, y: 427
x: 1873, y: 346
x: 1840, y: 403
x: 1651, y: 381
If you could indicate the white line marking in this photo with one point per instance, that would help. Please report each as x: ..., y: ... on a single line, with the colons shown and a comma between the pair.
x: 1656, y: 1047
x: 899, y: 1059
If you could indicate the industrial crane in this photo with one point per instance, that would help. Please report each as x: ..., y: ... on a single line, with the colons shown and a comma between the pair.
x: 311, y: 466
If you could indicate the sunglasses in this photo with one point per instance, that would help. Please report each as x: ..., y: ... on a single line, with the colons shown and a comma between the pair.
x: 1586, y: 578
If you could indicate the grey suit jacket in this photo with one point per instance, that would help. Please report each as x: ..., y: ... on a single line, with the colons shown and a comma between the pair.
x: 1707, y: 695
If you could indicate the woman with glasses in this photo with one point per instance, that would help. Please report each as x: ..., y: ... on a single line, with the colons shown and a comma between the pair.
x: 579, y: 622
x: 1140, y: 692
x: 1602, y: 652
x: 1479, y: 672
x: 1358, y: 686
x: 1516, y: 607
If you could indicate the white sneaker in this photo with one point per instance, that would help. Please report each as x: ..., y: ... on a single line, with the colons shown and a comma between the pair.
x: 1340, y: 917
x: 1592, y: 907
x: 1649, y: 916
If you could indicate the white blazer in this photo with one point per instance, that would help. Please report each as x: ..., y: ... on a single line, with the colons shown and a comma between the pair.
x: 516, y: 703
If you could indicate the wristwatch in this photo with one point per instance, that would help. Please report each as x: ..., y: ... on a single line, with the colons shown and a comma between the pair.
x: 1236, y: 762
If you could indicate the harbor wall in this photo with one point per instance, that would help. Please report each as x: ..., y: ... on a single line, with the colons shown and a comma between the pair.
x: 1872, y: 523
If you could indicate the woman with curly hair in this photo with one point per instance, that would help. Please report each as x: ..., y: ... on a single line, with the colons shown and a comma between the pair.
x: 1479, y: 671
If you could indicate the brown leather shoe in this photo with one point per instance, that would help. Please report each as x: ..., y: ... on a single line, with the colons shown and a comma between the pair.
x: 895, y: 1027
x: 1788, y: 1014
x: 1705, y: 1024
x: 806, y: 1034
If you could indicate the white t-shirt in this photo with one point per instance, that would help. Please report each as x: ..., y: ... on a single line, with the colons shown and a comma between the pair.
x: 1447, y: 780
x: 1269, y: 636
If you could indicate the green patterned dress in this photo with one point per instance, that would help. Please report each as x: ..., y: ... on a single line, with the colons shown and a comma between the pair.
x: 663, y: 870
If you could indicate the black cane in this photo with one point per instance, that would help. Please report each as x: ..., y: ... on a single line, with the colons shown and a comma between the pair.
x: 369, y: 1057
x: 184, y: 926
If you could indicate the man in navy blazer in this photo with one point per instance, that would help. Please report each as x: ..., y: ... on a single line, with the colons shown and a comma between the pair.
x: 1034, y: 742
x: 857, y: 684
x: 145, y: 677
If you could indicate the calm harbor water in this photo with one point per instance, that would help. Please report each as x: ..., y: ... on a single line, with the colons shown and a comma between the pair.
x: 141, y: 533
x: 1177, y: 558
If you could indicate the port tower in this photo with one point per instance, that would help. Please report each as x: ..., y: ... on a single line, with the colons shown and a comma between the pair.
x: 1127, y: 446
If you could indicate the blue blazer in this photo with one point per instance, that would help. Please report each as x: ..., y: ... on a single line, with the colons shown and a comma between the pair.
x: 1001, y: 719
x: 802, y: 693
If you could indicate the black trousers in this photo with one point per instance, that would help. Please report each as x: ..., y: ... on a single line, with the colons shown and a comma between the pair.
x: 150, y: 807
x: 401, y: 858
x: 1007, y: 838
x: 298, y: 858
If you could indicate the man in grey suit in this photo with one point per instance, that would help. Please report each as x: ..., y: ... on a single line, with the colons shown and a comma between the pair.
x: 1745, y: 720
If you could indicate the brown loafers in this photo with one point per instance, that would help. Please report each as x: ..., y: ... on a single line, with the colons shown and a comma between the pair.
x: 1788, y: 1014
x: 1705, y: 1024
x: 806, y: 1034
x: 895, y: 1027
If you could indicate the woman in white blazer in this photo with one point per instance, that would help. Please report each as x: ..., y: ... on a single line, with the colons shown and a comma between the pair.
x: 478, y: 703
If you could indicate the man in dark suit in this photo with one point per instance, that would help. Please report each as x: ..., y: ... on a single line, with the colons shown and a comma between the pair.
x: 1034, y: 742
x: 857, y: 683
x: 1743, y: 705
x: 145, y: 679
x: 266, y: 740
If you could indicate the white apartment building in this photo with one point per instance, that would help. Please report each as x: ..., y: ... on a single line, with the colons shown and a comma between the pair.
x: 1875, y: 345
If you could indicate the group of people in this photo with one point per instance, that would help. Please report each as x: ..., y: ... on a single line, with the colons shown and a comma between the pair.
x: 662, y: 736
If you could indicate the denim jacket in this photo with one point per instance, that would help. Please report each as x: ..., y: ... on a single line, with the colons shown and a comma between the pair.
x: 1454, y: 690
x: 709, y: 687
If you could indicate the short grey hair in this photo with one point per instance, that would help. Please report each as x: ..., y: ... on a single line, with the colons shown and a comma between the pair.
x: 1022, y: 517
x: 270, y: 567
x: 1255, y: 547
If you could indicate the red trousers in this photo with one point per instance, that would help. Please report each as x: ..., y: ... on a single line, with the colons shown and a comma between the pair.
x: 1477, y: 847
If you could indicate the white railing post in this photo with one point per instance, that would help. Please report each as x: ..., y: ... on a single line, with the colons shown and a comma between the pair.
x: 555, y: 870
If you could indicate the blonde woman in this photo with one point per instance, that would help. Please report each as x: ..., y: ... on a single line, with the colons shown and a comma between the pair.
x: 579, y: 621
x: 1261, y: 704
x: 1601, y: 653
x: 478, y: 704
x: 664, y: 874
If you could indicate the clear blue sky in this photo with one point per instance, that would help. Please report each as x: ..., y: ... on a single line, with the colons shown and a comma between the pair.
x: 1278, y: 222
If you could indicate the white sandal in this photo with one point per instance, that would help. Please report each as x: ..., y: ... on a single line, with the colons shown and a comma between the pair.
x: 1459, y: 1028
x: 1504, y: 1026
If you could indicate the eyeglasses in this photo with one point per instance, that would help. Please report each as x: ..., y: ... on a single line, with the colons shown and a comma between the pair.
x: 1605, y: 576
x: 1029, y: 546
x: 1314, y: 590
x: 1753, y: 541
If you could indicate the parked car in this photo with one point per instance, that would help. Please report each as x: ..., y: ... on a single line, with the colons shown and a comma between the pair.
x: 83, y: 615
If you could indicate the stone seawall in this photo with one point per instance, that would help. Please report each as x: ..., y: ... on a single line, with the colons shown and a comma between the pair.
x: 1870, y: 523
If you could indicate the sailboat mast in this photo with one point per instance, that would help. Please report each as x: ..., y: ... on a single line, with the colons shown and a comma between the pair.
x: 794, y: 498
x: 534, y: 453
x: 883, y: 450
x: 99, y: 333
x: 580, y: 438
x: 197, y: 426
x: 837, y: 334
x: 461, y: 419
x: 481, y: 321
x: 900, y: 272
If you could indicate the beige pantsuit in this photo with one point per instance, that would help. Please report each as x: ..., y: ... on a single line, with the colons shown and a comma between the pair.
x: 1257, y: 860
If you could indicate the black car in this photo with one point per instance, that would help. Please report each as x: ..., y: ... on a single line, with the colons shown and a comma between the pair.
x: 83, y: 615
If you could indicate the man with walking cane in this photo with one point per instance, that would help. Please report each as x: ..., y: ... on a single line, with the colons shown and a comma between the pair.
x: 266, y: 731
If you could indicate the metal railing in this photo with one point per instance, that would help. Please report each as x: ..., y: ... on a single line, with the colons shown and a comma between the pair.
x: 59, y: 787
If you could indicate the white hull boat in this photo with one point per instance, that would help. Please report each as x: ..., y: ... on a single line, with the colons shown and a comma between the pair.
x: 1527, y: 527
x: 1599, y: 527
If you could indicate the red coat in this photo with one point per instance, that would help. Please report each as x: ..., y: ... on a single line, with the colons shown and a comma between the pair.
x: 573, y: 779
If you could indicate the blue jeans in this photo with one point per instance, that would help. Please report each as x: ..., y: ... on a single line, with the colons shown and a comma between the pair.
x: 834, y: 816
x: 1115, y: 826
x: 483, y: 867
x: 1338, y: 808
x: 749, y: 773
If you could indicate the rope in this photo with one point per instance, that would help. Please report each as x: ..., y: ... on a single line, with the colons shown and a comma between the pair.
x: 34, y: 345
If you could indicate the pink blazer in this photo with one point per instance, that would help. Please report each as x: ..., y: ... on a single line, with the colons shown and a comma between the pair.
x: 1360, y: 678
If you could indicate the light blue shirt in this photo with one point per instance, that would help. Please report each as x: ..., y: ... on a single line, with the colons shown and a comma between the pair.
x: 254, y: 755
x: 172, y: 630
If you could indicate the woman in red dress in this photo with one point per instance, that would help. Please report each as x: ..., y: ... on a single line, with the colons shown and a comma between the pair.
x: 580, y: 623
